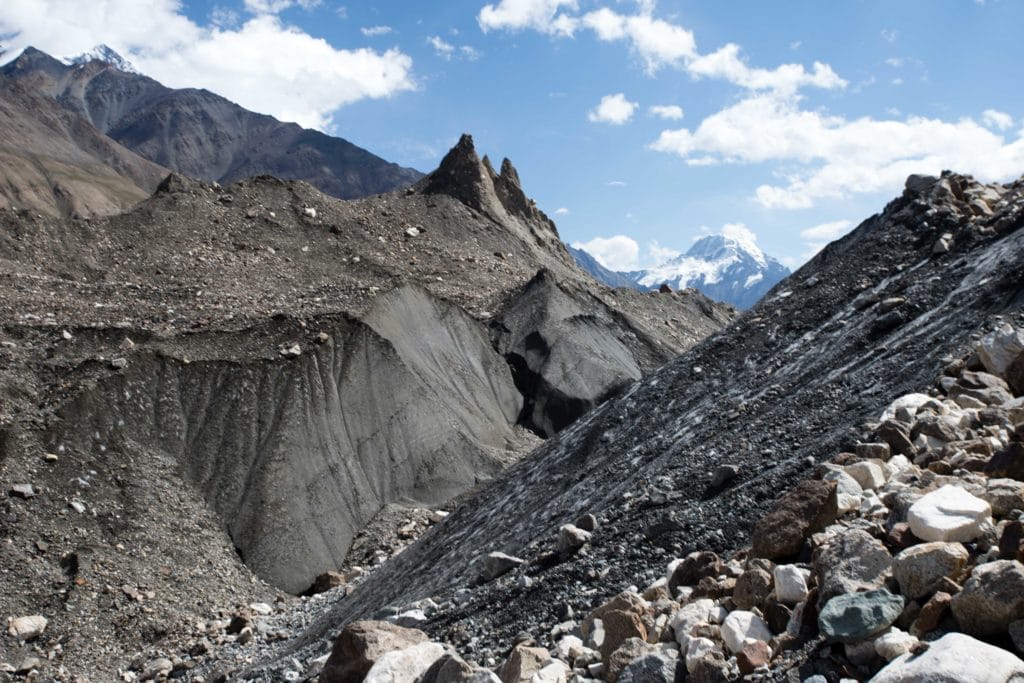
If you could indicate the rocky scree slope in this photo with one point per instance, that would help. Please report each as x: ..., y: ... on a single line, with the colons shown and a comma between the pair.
x: 900, y: 561
x: 876, y: 314
x: 55, y: 162
x: 201, y: 134
x: 268, y: 367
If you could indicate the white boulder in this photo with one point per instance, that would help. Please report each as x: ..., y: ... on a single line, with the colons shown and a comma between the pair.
x: 404, y: 665
x: 953, y: 658
x: 868, y: 474
x: 998, y: 350
x: 948, y: 514
x: 790, y: 583
x: 741, y: 625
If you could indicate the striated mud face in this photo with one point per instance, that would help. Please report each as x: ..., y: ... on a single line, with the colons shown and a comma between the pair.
x: 297, y: 455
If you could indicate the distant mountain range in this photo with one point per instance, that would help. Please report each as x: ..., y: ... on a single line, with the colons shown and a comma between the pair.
x: 729, y: 268
x: 194, y: 132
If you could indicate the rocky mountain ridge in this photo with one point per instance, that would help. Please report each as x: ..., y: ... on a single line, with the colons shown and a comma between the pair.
x: 198, y: 133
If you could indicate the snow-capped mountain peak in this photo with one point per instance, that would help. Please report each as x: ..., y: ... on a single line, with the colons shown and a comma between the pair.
x: 728, y: 266
x: 106, y: 54
x: 719, y: 247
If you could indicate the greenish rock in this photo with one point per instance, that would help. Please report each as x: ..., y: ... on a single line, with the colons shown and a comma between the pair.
x: 855, y: 616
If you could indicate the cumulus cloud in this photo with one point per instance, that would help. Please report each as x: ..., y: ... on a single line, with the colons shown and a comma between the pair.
x: 831, y: 157
x: 276, y: 6
x: 370, y: 31
x: 994, y: 118
x: 447, y: 51
x: 656, y: 42
x: 264, y: 64
x: 540, y: 15
x: 614, y: 109
x: 827, y: 231
x: 671, y: 112
x: 561, y: 211
x: 658, y: 255
x: 725, y: 64
x: 616, y: 253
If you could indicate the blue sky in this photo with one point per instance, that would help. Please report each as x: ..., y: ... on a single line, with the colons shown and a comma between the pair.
x: 798, y: 119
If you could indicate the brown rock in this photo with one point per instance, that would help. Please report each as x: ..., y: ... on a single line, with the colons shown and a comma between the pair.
x: 777, y: 616
x: 713, y: 588
x: 627, y: 651
x: 911, y: 611
x: 753, y: 655
x: 361, y: 644
x: 693, y: 568
x: 523, y: 663
x: 620, y: 626
x: 900, y: 537
x: 1011, y: 543
x: 752, y: 588
x: 626, y: 601
x: 326, y: 582
x: 931, y: 614
x: 241, y: 620
x: 1009, y: 462
x: 807, y: 508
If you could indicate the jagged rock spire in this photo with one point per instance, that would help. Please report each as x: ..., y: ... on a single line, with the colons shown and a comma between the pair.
x: 462, y: 175
x: 473, y: 181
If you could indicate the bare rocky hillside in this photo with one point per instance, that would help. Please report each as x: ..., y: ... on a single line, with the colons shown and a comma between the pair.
x: 690, y: 458
x: 211, y: 395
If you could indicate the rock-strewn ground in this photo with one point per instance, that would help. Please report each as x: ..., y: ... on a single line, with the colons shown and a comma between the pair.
x: 237, y: 379
x: 878, y: 314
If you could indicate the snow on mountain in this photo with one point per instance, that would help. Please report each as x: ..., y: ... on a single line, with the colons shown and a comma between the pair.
x: 103, y: 53
x: 729, y: 267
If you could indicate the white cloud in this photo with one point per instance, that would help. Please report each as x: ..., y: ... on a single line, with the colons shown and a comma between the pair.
x: 561, y: 211
x: 265, y: 64
x: 658, y: 255
x: 889, y: 35
x: 615, y: 183
x: 658, y: 43
x: 670, y: 112
x: 831, y: 157
x: 741, y: 233
x: 614, y: 109
x: 277, y: 6
x: 539, y: 15
x: 370, y: 31
x: 795, y: 45
x: 725, y: 63
x: 441, y: 47
x: 447, y: 51
x: 894, y: 62
x: 993, y: 118
x: 221, y: 17
x: 617, y: 253
x: 827, y: 231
